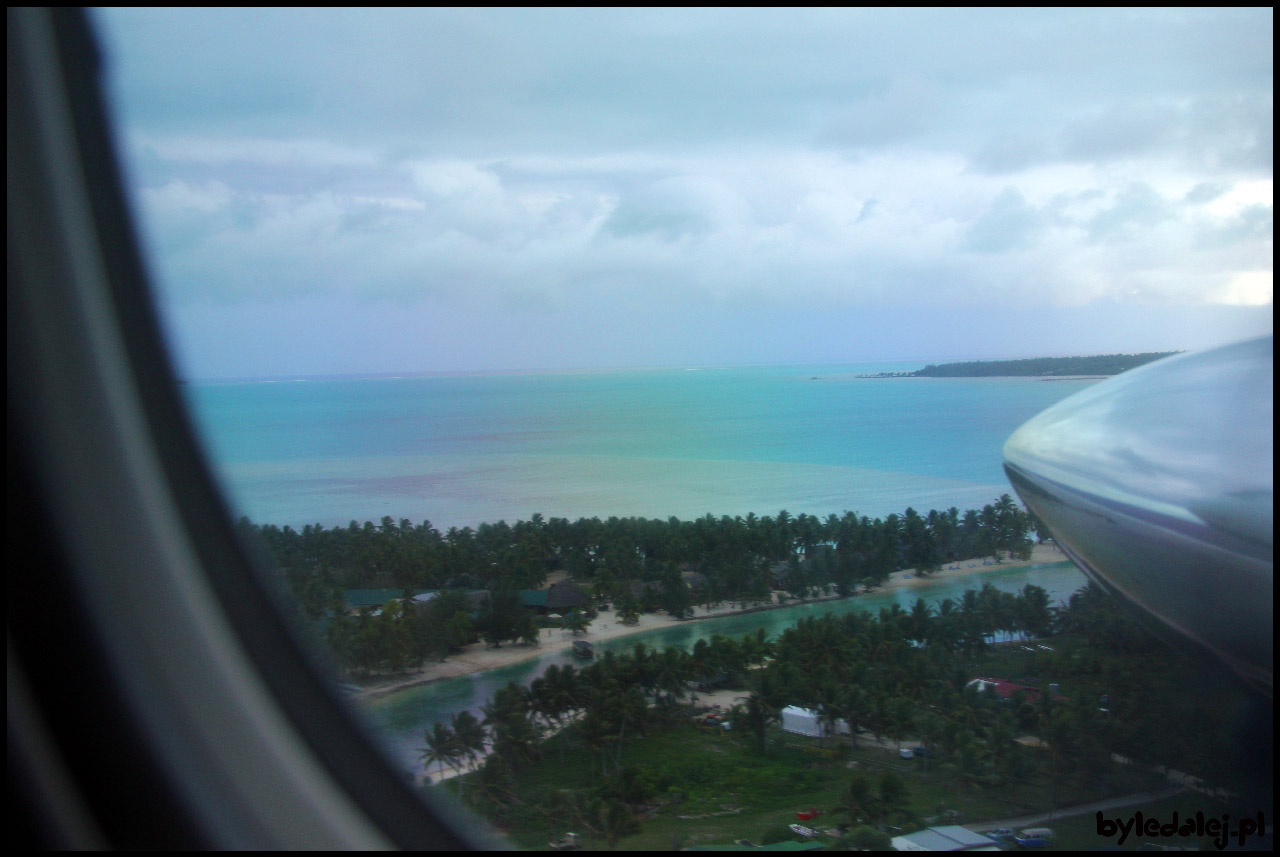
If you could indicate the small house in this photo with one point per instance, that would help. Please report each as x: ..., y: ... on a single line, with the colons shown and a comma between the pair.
x: 565, y: 596
x: 949, y: 837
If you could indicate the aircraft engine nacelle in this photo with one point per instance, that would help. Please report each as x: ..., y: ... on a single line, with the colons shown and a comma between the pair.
x: 1158, y: 484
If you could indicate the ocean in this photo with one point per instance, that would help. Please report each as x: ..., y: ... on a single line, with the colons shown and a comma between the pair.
x: 465, y: 449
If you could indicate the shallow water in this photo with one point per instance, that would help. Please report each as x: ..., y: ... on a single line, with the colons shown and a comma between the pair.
x: 461, y: 450
x: 458, y: 451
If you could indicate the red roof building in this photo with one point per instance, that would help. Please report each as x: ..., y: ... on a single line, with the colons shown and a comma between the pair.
x: 1004, y: 689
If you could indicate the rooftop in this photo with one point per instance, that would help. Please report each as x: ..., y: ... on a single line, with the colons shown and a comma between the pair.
x: 949, y: 837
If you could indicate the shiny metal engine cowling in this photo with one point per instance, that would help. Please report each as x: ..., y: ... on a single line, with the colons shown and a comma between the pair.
x: 1158, y: 484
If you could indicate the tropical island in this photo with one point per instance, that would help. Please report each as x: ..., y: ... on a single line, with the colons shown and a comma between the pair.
x: 393, y: 597
x: 986, y: 710
x: 862, y: 727
x: 1098, y: 365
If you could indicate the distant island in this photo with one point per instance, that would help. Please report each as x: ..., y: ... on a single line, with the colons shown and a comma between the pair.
x: 1035, y: 367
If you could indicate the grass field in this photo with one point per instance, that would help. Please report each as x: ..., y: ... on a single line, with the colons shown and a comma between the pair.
x: 708, y: 788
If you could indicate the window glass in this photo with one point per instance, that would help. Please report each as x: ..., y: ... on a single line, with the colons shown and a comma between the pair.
x: 524, y: 337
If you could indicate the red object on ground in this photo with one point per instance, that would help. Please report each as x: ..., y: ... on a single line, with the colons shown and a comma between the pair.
x: 808, y: 814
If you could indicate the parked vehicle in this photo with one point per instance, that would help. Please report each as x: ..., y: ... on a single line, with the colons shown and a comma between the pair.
x: 569, y: 843
x: 1034, y: 837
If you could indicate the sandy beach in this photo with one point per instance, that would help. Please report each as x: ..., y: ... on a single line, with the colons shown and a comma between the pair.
x: 479, y: 657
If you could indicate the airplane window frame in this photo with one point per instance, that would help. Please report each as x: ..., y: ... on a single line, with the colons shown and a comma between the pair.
x: 157, y: 696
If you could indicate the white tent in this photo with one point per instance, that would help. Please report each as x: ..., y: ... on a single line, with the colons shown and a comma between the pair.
x: 803, y: 721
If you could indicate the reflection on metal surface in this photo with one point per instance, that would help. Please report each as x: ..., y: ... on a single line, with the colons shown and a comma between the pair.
x: 1158, y: 484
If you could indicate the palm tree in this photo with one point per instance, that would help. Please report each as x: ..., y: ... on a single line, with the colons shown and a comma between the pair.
x: 827, y: 698
x: 1061, y: 733
x: 901, y: 719
x: 1038, y: 617
x: 596, y: 735
x: 946, y: 626
x: 515, y: 742
x: 969, y: 766
x: 756, y: 648
x: 530, y: 634
x: 495, y: 785
x: 895, y: 797
x: 919, y: 621
x: 700, y: 664
x: 852, y: 704
x: 628, y: 611
x: 469, y: 736
x: 564, y: 690
x: 891, y: 617
x: 930, y: 725
x: 643, y: 668
x: 670, y: 673
x: 540, y: 703
x: 863, y: 804
x: 577, y: 622
x: 441, y: 747
x: 630, y: 709
x: 972, y: 630
x: 1011, y: 523
x: 754, y: 718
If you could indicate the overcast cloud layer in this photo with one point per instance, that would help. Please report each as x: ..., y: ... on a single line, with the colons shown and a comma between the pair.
x: 361, y: 191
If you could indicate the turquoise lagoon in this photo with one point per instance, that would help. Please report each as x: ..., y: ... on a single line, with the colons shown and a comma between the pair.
x: 462, y: 450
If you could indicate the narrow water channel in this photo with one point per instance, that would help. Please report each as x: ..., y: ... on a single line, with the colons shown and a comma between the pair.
x: 401, y: 718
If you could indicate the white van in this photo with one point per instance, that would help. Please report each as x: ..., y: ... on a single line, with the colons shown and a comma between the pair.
x: 1045, y: 833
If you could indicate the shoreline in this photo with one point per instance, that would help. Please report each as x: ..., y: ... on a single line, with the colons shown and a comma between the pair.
x: 476, y: 658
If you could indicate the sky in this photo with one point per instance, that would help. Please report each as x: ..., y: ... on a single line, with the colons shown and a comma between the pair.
x: 380, y: 191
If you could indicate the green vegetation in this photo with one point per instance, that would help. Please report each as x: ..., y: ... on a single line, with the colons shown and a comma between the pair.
x: 617, y: 753
x: 612, y: 751
x: 639, y: 564
x: 1041, y: 367
x: 740, y: 557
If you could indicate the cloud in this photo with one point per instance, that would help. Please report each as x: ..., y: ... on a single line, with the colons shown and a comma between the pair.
x: 1010, y: 223
x: 540, y: 162
x: 1206, y: 192
x: 1122, y: 130
x: 178, y: 198
x: 286, y: 152
x: 1136, y: 206
x: 1226, y: 136
x: 1011, y: 152
x: 455, y: 179
x: 904, y: 110
x: 762, y: 224
x: 1249, y: 288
